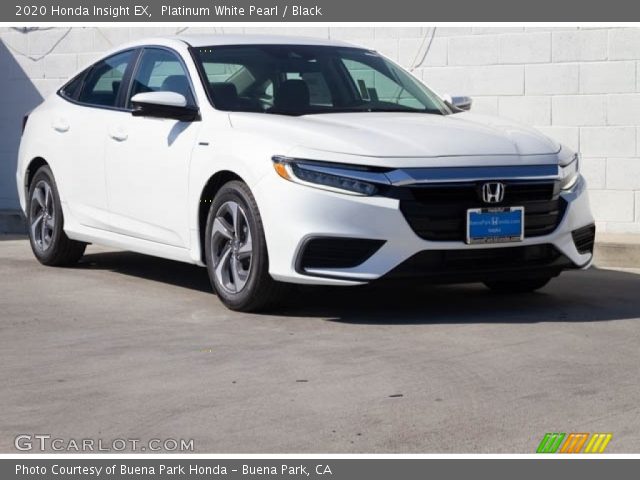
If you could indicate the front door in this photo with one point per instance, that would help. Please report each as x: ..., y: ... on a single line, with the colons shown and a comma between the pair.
x: 147, y: 161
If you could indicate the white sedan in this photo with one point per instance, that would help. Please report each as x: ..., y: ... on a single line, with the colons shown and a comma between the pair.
x: 278, y: 160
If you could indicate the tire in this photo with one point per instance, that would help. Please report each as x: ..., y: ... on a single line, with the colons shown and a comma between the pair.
x: 49, y: 243
x: 236, y: 252
x: 518, y: 286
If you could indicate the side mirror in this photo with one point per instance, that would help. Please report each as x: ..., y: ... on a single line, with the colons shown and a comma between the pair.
x: 461, y: 102
x: 164, y: 105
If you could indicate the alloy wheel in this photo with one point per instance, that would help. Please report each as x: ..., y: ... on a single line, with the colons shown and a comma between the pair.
x: 42, y: 216
x: 231, y: 247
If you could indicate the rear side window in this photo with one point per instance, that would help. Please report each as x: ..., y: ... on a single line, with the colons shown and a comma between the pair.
x: 105, y: 79
x: 72, y: 88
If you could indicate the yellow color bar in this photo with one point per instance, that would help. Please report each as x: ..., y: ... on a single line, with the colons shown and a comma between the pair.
x: 605, y: 442
x: 590, y: 444
x: 598, y: 443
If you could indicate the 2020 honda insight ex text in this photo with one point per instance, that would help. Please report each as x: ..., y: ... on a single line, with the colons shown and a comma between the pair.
x: 277, y: 160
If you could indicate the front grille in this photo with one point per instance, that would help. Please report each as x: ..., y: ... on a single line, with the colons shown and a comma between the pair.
x: 479, y: 264
x: 584, y: 238
x: 439, y: 212
x: 333, y: 252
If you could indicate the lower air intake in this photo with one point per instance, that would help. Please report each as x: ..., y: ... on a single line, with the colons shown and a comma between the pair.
x: 333, y: 252
x: 584, y: 239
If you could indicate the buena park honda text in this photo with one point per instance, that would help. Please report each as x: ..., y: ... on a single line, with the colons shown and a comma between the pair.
x: 169, y: 470
x: 277, y: 160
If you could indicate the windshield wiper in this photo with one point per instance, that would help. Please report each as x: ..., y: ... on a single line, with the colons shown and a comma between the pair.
x: 297, y: 113
x: 403, y: 110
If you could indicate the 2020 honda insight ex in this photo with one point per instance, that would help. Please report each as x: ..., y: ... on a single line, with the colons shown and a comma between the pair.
x: 276, y: 160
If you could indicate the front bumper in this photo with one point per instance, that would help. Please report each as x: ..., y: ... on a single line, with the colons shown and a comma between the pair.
x: 293, y: 214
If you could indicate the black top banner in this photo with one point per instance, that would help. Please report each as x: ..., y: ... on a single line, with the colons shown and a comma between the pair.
x: 35, y: 11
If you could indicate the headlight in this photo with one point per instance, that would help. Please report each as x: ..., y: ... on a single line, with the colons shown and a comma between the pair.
x: 569, y: 168
x: 336, y: 178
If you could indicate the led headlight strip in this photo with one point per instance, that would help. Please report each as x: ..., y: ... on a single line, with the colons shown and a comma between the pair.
x: 350, y: 180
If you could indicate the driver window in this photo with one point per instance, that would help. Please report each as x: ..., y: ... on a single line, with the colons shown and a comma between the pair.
x: 160, y: 70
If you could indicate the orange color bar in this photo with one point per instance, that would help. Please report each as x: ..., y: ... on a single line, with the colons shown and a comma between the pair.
x: 581, y: 442
x: 569, y: 443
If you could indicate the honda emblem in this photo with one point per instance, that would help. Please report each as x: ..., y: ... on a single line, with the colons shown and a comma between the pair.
x: 493, y: 192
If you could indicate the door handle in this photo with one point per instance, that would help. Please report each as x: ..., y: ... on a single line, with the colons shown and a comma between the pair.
x: 60, y: 125
x: 118, y: 134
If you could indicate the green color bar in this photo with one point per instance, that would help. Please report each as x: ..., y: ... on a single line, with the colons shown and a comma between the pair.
x: 550, y: 443
x: 543, y: 443
x: 555, y: 447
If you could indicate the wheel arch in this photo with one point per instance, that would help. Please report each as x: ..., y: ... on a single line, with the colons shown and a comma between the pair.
x: 30, y: 171
x: 209, y: 191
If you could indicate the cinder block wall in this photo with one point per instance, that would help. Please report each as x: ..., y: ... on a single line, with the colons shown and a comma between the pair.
x: 581, y: 86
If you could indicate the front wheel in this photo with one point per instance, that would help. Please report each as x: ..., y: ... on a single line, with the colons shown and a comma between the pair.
x: 518, y: 286
x: 236, y: 252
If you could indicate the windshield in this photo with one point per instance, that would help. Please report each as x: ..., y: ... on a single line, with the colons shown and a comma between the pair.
x: 305, y: 79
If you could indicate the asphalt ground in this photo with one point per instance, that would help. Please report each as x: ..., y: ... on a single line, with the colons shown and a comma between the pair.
x: 126, y: 346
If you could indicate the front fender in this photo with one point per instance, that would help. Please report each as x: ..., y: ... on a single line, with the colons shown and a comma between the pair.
x: 225, y: 150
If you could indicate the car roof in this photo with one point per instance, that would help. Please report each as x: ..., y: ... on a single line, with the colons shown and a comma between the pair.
x: 208, y: 40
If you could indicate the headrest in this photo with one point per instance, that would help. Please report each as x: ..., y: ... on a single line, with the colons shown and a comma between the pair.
x: 225, y: 95
x: 292, y: 95
x: 177, y: 84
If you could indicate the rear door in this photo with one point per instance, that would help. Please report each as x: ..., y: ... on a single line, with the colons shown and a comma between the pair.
x: 81, y: 126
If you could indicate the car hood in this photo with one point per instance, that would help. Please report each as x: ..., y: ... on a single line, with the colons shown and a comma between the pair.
x: 397, y: 135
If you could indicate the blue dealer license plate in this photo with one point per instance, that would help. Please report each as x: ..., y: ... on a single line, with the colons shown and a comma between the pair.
x: 495, y: 225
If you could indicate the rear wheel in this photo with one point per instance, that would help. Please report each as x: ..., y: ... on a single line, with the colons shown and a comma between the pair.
x: 49, y: 243
x: 518, y: 286
x: 236, y: 252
